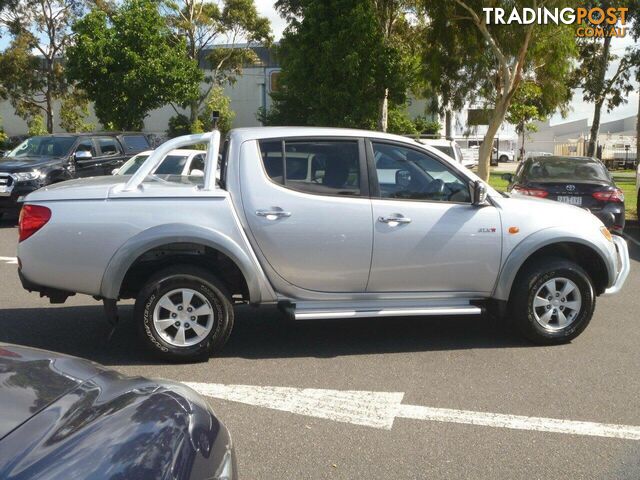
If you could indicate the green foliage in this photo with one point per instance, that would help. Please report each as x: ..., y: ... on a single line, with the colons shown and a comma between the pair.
x: 36, y: 126
x: 400, y: 123
x: 218, y: 101
x: 74, y: 108
x: 471, y: 59
x: 427, y: 126
x: 130, y: 63
x: 34, y: 82
x: 202, y: 23
x: 179, y: 125
x: 335, y: 68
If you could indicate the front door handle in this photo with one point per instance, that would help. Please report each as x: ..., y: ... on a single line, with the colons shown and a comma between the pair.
x: 396, y: 218
x: 273, y: 213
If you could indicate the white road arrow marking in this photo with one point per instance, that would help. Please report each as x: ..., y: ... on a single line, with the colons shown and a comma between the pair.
x: 9, y: 260
x: 379, y: 409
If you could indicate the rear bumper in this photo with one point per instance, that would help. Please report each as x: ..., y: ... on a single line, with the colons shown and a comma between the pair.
x: 54, y: 295
x: 623, y: 266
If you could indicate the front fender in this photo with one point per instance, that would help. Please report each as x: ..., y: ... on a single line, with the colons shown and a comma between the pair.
x: 157, y: 236
x: 543, y: 238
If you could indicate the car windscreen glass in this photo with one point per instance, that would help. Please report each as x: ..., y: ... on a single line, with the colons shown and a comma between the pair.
x: 133, y: 165
x: 172, y: 165
x: 44, y: 146
x: 549, y: 169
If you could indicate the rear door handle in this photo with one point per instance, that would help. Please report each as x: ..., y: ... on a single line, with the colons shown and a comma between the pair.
x: 273, y: 213
x: 394, y: 218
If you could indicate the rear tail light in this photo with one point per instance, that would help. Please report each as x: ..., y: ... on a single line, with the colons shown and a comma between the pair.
x: 532, y: 192
x: 32, y: 219
x: 614, y: 195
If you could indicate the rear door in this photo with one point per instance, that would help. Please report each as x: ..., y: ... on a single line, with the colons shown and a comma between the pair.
x: 110, y: 155
x: 428, y: 237
x: 307, y: 206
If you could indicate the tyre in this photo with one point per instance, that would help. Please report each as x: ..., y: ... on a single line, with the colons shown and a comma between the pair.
x: 552, y: 301
x: 503, y: 158
x: 184, y: 314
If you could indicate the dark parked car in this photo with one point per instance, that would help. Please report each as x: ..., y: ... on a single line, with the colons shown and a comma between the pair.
x: 47, y: 159
x: 581, y: 181
x: 68, y: 418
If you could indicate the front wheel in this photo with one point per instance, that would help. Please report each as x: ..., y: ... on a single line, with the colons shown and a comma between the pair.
x: 184, y: 314
x: 552, y: 302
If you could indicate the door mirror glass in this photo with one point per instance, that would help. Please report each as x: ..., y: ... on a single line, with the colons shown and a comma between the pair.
x: 403, y: 178
x: 508, y: 177
x: 479, y: 192
x: 83, y: 155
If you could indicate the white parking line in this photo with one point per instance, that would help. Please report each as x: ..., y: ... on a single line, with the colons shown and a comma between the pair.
x: 379, y: 409
x: 9, y: 260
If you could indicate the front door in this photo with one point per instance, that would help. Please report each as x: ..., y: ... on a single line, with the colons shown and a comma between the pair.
x: 87, y: 167
x: 428, y: 237
x: 306, y: 203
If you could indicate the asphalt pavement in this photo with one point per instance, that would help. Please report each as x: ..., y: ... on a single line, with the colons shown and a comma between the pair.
x: 464, y: 363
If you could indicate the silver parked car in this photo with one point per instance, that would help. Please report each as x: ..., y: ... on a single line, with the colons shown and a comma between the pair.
x: 325, y: 223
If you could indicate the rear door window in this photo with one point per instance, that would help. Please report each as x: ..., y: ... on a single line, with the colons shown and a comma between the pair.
x: 322, y: 167
x: 108, y: 146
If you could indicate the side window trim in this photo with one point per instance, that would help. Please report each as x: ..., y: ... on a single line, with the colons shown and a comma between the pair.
x: 362, y: 162
x: 373, y: 172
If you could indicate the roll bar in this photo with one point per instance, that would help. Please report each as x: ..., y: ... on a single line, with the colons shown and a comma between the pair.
x: 211, y: 162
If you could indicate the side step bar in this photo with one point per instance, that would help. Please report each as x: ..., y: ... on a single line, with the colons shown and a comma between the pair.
x: 386, y: 312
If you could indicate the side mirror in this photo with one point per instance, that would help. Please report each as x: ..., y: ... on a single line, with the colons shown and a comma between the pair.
x: 83, y: 155
x: 403, y: 178
x: 508, y: 177
x: 196, y: 173
x: 114, y: 171
x: 479, y: 192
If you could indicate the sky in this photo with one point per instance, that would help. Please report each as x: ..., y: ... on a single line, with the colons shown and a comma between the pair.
x: 578, y: 108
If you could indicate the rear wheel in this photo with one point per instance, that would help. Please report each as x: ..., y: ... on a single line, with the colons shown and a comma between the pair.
x: 552, y: 302
x: 504, y: 158
x: 184, y: 314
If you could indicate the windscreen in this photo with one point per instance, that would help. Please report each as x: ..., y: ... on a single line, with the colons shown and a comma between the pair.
x: 557, y: 169
x: 133, y: 165
x: 44, y: 146
x: 172, y: 165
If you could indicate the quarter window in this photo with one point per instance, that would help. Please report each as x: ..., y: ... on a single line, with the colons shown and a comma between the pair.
x: 324, y: 167
x: 409, y: 174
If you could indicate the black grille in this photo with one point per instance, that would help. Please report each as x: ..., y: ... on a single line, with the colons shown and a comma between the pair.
x: 6, y: 180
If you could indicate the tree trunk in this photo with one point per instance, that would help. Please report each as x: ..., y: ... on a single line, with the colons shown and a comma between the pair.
x: 447, y: 125
x: 595, y: 126
x: 484, y: 154
x: 595, y: 129
x: 48, y: 96
x: 193, y: 111
x: 523, y: 132
x: 384, y: 112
